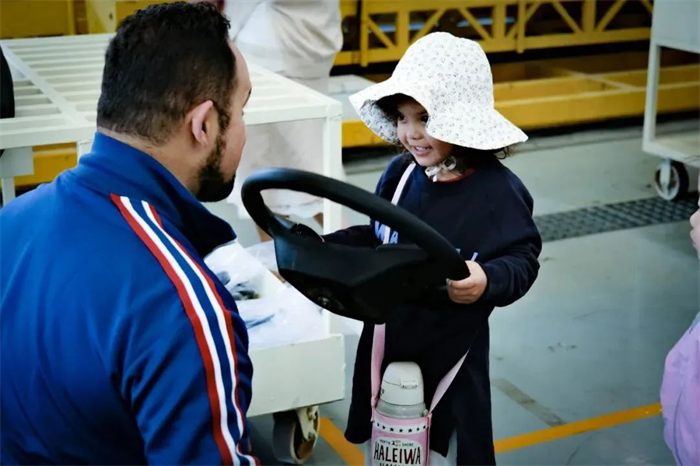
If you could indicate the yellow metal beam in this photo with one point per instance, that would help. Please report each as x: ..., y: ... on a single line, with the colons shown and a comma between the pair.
x: 647, y: 5
x: 524, y: 15
x: 501, y: 37
x: 610, y: 15
x: 429, y: 24
x: 522, y: 22
x: 528, y: 71
x: 562, y: 40
x: 609, y: 82
x: 357, y: 134
x: 667, y: 75
x: 105, y: 15
x: 588, y: 13
x: 347, y: 58
x: 537, y: 88
x: 403, y: 32
x: 474, y: 23
x: 389, y: 6
x: 594, y: 106
x: 566, y: 16
x: 380, y: 34
x: 49, y: 161
x: 71, y: 17
x: 364, y: 33
x: 498, y: 27
x: 23, y: 18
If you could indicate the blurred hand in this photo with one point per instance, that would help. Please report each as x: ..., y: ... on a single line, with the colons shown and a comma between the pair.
x: 470, y: 289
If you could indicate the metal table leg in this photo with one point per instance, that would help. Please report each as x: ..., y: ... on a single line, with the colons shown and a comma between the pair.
x: 13, y: 163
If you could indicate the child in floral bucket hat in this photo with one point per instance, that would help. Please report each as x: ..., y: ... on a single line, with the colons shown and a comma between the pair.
x: 438, y: 105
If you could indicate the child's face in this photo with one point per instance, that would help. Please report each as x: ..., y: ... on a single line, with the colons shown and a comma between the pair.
x: 410, y: 124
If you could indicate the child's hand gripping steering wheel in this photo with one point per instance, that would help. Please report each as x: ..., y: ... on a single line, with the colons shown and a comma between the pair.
x: 358, y: 282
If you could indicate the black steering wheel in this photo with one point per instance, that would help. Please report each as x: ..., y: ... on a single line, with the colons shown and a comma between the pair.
x: 362, y: 283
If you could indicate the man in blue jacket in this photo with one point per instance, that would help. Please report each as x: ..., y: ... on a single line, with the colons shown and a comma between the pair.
x: 118, y: 344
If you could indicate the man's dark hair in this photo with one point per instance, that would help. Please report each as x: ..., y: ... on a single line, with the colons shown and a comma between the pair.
x: 163, y: 61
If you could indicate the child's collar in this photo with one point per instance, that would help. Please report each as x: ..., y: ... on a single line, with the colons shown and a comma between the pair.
x: 448, y: 164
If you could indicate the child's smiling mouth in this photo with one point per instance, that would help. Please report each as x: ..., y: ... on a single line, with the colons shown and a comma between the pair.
x: 421, y: 150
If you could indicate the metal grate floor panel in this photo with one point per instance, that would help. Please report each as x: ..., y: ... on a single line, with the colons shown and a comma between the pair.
x: 614, y: 217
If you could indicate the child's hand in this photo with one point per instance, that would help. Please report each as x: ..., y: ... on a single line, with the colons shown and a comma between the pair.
x: 470, y: 289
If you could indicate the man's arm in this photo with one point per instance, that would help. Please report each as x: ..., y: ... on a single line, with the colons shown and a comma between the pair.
x: 181, y: 368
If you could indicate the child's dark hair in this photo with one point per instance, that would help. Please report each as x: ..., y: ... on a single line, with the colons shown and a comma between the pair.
x: 466, y: 158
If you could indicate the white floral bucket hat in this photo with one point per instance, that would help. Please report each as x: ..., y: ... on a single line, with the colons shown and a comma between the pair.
x: 451, y: 78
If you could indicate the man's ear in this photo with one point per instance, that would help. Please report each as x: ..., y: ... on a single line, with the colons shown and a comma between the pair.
x: 202, y: 117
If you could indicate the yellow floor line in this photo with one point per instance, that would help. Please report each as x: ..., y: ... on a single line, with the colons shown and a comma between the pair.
x: 353, y: 456
x: 575, y: 428
x: 349, y: 452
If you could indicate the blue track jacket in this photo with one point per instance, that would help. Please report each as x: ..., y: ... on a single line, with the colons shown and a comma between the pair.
x: 118, y: 344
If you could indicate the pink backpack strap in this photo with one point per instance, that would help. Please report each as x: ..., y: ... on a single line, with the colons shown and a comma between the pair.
x: 450, y: 376
x: 397, y: 196
x: 447, y: 381
x: 379, y: 338
x: 380, y: 330
x: 377, y: 358
x: 378, y: 342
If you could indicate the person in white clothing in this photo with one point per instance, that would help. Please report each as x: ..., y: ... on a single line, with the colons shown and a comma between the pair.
x: 298, y: 39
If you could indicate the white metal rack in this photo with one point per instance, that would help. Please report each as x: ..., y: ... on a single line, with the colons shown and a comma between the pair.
x: 675, y: 25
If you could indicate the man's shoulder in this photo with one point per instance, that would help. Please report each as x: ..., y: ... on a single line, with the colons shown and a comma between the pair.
x: 113, y: 245
x: 27, y: 204
x: 81, y: 231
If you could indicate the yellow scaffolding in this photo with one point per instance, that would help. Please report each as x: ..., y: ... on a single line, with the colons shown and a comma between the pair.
x: 105, y: 15
x: 381, y: 30
x: 25, y: 18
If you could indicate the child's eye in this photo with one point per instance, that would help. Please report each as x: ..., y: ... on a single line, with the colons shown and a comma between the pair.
x: 424, y: 118
x: 400, y: 118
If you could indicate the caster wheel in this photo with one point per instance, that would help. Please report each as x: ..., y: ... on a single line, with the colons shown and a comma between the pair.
x: 671, y: 180
x: 289, y: 443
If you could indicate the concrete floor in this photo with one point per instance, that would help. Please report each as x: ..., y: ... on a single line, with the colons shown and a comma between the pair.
x: 591, y: 337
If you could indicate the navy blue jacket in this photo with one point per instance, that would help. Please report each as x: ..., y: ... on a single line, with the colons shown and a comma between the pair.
x: 119, y: 345
x: 488, y: 212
